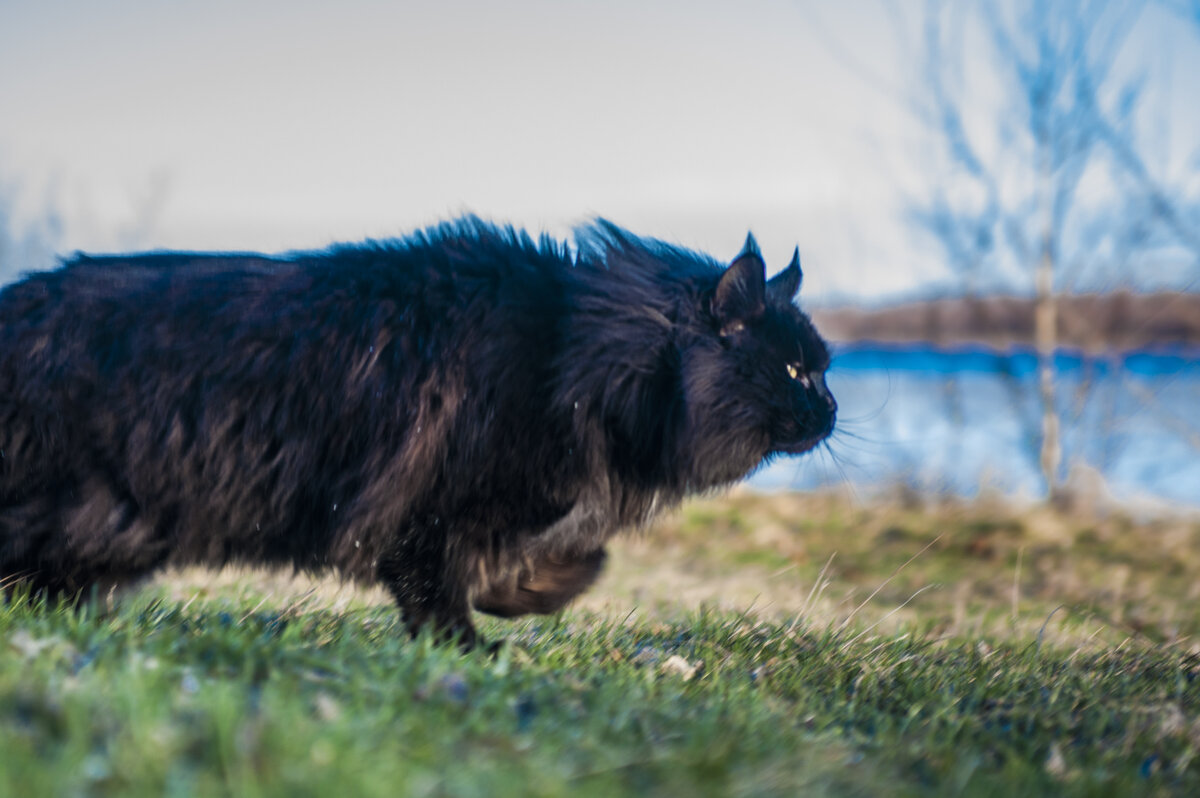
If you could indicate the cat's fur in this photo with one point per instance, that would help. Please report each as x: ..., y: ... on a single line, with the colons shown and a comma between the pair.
x: 464, y: 415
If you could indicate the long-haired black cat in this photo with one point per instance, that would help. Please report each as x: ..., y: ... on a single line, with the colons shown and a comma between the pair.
x: 465, y: 415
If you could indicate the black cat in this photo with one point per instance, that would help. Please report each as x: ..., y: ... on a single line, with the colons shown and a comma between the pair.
x: 464, y: 415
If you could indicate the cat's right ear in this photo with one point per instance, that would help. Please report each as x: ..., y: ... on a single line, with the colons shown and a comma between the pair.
x: 740, y: 296
x: 785, y: 284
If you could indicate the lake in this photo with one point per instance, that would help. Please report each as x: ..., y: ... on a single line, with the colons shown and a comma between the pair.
x: 959, y: 420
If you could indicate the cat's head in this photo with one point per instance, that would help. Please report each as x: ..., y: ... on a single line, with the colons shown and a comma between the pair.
x: 754, y: 380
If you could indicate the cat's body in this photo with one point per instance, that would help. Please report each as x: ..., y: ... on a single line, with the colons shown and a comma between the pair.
x: 464, y: 416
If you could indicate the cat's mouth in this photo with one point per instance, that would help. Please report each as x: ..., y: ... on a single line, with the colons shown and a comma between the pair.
x: 806, y: 442
x: 801, y: 446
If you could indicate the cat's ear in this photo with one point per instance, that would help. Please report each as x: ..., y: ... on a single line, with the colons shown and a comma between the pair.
x: 741, y: 292
x: 785, y: 284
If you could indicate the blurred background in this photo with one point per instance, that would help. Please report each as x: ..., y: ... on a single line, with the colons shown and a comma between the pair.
x: 997, y: 203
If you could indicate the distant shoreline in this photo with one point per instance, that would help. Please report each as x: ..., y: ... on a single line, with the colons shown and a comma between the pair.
x: 1091, y: 323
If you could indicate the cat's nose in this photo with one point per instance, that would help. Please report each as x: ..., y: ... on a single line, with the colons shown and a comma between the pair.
x: 817, y: 379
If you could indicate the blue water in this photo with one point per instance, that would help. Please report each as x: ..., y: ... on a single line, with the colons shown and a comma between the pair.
x: 960, y: 420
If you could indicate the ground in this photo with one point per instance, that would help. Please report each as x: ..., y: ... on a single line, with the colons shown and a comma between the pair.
x: 748, y: 645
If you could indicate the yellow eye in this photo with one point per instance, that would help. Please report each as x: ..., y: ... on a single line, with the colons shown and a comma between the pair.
x: 792, y: 372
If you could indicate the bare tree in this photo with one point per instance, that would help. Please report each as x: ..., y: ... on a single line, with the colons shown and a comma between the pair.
x: 31, y: 242
x: 1040, y: 174
x: 27, y: 246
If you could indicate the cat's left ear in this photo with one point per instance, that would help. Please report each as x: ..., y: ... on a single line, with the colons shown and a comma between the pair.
x: 785, y: 284
x: 741, y: 292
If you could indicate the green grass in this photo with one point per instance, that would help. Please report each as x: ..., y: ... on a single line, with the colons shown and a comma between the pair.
x: 249, y: 689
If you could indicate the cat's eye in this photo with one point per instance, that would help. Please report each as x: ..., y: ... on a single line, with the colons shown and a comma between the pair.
x: 793, y: 371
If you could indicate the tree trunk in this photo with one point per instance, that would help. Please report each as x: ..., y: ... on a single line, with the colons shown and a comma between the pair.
x: 1046, y: 335
x: 1046, y: 322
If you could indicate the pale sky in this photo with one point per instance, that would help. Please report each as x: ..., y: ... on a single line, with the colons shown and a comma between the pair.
x: 284, y: 125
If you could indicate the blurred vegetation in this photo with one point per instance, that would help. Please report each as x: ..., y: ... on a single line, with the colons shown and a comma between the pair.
x: 951, y: 567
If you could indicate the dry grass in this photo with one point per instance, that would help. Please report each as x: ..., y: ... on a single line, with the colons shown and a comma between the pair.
x: 955, y: 569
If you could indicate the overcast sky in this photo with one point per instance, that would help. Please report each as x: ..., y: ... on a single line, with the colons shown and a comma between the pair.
x: 283, y: 125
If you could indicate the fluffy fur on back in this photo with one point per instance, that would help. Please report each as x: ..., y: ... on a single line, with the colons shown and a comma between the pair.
x: 465, y: 415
